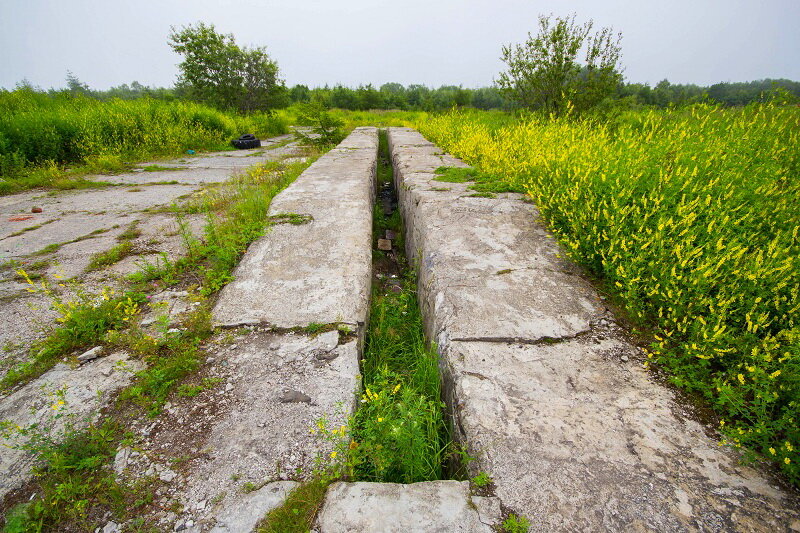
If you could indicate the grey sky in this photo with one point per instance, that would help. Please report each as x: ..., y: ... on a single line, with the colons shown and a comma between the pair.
x: 433, y: 42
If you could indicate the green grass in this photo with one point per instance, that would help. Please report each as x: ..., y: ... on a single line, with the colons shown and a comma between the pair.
x: 83, y: 323
x: 399, y: 432
x: 161, y: 168
x: 71, y: 483
x: 48, y: 141
x: 485, y: 184
x: 297, y: 514
x: 111, y: 256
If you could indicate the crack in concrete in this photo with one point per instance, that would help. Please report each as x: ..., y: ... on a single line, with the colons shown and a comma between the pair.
x: 546, y: 339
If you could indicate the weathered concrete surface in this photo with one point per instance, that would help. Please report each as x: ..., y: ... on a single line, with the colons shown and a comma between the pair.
x: 79, y: 224
x: 318, y: 272
x: 85, y: 390
x: 545, y: 389
x: 255, y: 428
x: 429, y: 507
x: 244, y: 516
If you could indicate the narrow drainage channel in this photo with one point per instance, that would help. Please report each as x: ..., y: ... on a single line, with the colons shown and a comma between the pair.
x: 400, y: 432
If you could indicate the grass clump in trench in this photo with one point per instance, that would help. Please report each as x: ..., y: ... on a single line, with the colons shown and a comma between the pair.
x: 399, y: 432
x: 298, y: 512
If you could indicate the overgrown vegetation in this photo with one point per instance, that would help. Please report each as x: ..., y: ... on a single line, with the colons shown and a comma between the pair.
x: 669, y: 208
x: 73, y: 483
x: 237, y: 212
x: 45, y: 139
x: 483, y: 183
x: 83, y: 323
x: 298, y: 512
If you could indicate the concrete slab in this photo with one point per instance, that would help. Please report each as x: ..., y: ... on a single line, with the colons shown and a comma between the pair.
x: 546, y: 392
x: 319, y: 272
x: 257, y: 428
x: 85, y: 390
x: 435, y: 506
x: 245, y: 515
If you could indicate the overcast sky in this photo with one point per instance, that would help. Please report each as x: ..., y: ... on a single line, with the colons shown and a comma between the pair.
x: 434, y: 42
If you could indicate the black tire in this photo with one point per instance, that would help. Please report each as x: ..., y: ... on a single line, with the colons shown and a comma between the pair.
x: 246, y: 144
x: 247, y: 137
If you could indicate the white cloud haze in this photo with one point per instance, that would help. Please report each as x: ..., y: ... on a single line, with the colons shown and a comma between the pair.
x: 318, y: 42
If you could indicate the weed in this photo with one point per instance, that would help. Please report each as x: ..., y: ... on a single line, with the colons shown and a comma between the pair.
x: 29, y: 228
x: 298, y: 512
x: 484, y: 184
x: 71, y: 482
x: 83, y: 323
x: 161, y: 168
x: 482, y: 479
x: 189, y: 390
x: 516, y: 524
x: 290, y: 218
x: 110, y: 256
x: 131, y: 232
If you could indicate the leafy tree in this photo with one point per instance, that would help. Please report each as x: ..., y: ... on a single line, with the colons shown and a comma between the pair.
x: 546, y: 73
x: 216, y: 71
x: 322, y: 128
x: 76, y: 86
x: 300, y: 93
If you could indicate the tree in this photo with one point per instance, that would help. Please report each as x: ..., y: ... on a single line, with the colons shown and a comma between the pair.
x: 216, y: 71
x: 545, y: 72
x: 76, y: 86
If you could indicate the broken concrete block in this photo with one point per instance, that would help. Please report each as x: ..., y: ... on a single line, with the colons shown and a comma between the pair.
x: 385, y: 245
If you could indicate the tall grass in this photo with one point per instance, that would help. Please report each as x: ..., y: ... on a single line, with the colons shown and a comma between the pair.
x: 692, y: 216
x: 39, y: 132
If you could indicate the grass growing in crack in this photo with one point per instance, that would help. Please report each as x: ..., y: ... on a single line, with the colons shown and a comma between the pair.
x: 484, y: 184
x: 237, y: 215
x: 161, y: 168
x: 83, y: 323
x: 72, y: 484
x: 297, y: 514
x: 118, y: 252
x: 52, y: 248
x: 516, y: 524
x: 111, y: 256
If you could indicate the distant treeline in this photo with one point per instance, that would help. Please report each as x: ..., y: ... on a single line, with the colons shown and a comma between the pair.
x: 423, y: 98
